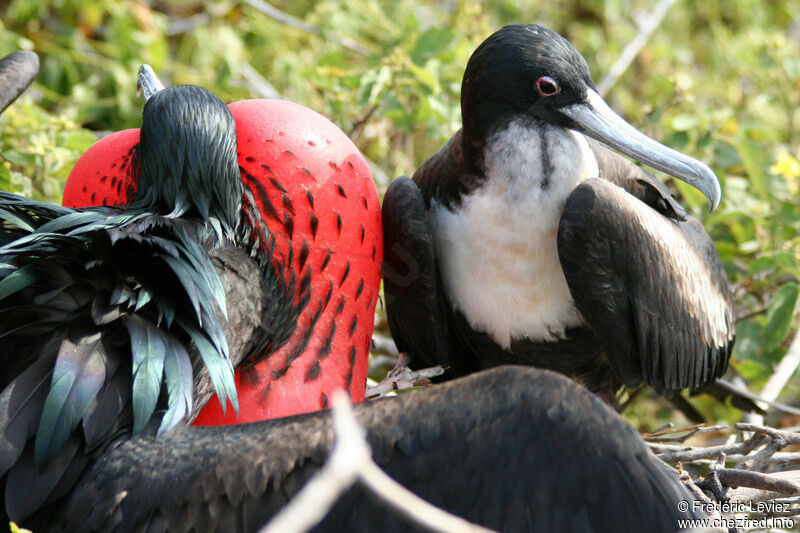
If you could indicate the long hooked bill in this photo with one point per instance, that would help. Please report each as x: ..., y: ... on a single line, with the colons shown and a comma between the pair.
x: 594, y: 118
x: 148, y: 83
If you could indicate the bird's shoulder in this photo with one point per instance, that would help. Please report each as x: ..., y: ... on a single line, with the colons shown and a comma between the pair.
x: 622, y: 172
x: 449, y: 174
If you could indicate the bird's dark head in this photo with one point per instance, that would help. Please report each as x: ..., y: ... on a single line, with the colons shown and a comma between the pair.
x: 530, y: 71
x: 521, y: 69
x: 187, y: 161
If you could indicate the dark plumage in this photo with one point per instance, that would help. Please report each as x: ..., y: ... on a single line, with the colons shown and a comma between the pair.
x: 515, y: 449
x: 524, y: 240
x: 113, y: 332
x: 116, y: 320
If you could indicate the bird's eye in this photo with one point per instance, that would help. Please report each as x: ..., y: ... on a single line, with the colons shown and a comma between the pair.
x: 547, y: 86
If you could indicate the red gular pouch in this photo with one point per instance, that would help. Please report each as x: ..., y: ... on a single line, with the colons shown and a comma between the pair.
x: 315, y: 194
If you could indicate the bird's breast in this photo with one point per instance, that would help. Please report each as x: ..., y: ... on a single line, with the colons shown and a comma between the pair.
x: 498, y: 249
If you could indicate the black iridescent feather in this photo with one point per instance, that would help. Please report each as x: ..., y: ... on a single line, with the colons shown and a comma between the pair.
x: 109, y: 316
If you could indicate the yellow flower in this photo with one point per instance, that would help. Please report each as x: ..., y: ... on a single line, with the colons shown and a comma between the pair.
x: 786, y: 165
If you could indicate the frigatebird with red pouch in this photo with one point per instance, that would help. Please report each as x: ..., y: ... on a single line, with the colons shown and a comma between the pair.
x: 317, y: 200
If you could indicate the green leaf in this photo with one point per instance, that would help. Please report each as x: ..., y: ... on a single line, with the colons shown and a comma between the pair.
x: 751, y: 370
x: 780, y: 315
x: 433, y: 41
x: 748, y: 340
x: 780, y: 260
x: 748, y: 151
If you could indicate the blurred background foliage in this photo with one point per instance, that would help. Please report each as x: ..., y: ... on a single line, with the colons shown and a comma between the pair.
x: 719, y: 80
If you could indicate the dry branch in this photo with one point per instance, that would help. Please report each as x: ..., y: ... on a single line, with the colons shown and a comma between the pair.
x: 351, y: 461
x: 691, y: 431
x: 404, y: 379
x: 310, y: 505
x: 284, y: 18
x: 384, y: 345
x: 751, y: 493
x: 634, y: 47
x: 735, y: 477
x: 693, y: 453
x: 782, y: 373
x: 257, y: 84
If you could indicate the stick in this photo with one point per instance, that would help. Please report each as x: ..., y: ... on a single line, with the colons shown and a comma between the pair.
x: 351, y: 461
x: 275, y: 13
x: 783, y: 372
x: 310, y: 505
x: 634, y: 47
x: 257, y: 84
x: 734, y: 477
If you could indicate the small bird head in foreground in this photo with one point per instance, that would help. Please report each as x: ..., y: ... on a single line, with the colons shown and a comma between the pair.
x: 187, y: 156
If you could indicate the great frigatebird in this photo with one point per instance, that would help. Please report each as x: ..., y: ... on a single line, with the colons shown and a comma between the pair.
x: 124, y: 291
x: 525, y: 239
x: 316, y: 197
x: 113, y: 319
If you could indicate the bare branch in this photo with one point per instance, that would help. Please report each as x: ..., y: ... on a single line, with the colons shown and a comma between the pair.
x: 712, y: 452
x: 257, y: 84
x: 658, y: 448
x: 669, y: 429
x: 351, y: 461
x: 734, y: 477
x: 381, y: 178
x: 414, y: 508
x: 749, y: 494
x: 384, y: 345
x: 783, y: 372
x: 741, y: 391
x: 187, y: 24
x: 789, y: 436
x: 697, y: 429
x: 310, y: 505
x: 405, y: 379
x: 275, y: 13
x: 778, y: 459
x: 633, y: 48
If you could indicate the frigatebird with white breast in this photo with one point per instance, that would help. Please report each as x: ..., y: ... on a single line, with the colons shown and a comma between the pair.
x: 525, y: 239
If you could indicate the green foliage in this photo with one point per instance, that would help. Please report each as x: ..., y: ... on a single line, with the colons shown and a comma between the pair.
x: 719, y: 80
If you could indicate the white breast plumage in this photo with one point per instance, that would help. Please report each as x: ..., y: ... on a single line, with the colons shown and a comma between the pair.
x: 498, y: 251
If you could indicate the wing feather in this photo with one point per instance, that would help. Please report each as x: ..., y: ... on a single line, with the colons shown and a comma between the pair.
x: 651, y: 288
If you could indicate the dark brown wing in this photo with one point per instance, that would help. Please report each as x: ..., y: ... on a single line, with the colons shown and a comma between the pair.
x: 416, y: 306
x: 647, y: 279
x: 514, y: 448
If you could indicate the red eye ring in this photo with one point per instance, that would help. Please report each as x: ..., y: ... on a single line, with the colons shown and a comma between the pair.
x: 547, y: 86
